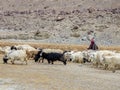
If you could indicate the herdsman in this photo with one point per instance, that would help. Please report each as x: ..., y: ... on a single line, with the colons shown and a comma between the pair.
x: 91, y: 38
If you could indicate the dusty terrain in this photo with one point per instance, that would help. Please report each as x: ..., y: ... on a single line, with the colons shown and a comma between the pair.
x: 41, y: 76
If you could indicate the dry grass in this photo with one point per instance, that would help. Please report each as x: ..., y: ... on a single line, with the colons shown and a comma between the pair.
x: 117, y: 48
x: 58, y: 46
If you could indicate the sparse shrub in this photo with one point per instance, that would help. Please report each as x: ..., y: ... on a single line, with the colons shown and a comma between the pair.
x: 102, y: 27
x: 83, y: 29
x: 75, y: 29
x: 100, y: 30
x: 75, y: 35
x: 23, y: 36
x: 37, y: 32
x: 41, y: 35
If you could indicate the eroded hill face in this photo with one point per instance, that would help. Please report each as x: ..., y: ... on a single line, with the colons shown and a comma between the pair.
x: 60, y: 21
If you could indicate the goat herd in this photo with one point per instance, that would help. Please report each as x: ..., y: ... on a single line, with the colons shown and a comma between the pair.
x: 107, y: 59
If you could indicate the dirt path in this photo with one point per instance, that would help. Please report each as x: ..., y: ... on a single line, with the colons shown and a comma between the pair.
x: 56, y: 77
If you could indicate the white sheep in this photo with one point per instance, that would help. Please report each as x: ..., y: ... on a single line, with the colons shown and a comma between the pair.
x: 87, y: 55
x: 17, y: 55
x: 100, y: 54
x: 68, y: 55
x: 111, y: 62
x: 25, y: 47
x: 77, y: 57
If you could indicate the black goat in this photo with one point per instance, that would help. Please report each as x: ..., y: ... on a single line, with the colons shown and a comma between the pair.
x: 37, y: 56
x: 51, y: 57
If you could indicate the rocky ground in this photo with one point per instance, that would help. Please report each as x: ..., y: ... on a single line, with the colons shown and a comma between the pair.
x: 40, y: 76
x: 60, y: 21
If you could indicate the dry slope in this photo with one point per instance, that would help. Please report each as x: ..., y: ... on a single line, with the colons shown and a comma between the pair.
x: 60, y: 21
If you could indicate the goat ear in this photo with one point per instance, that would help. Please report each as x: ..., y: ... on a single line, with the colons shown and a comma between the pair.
x: 64, y: 52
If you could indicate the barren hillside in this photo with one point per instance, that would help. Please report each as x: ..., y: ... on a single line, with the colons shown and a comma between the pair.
x: 60, y: 21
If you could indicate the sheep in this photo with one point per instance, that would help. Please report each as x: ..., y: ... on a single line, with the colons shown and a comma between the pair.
x: 86, y: 55
x: 111, y: 62
x: 98, y: 56
x: 15, y: 55
x: 92, y: 58
x: 30, y: 51
x: 31, y: 54
x: 68, y: 55
x: 25, y: 47
x: 77, y: 57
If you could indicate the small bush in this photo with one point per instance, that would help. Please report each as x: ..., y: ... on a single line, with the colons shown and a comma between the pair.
x: 23, y: 36
x: 75, y: 35
x: 41, y: 35
x: 75, y: 29
x: 100, y: 30
x: 83, y: 29
x: 102, y: 27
